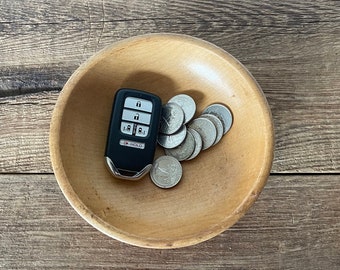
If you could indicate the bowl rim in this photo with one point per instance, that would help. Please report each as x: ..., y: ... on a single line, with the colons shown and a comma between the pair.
x: 114, y: 232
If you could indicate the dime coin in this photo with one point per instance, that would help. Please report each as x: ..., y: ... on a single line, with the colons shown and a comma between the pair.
x: 206, y: 129
x: 223, y: 113
x: 187, y: 104
x: 166, y: 172
x: 172, y: 118
x: 173, y: 140
x: 218, y: 125
x: 184, y: 150
x: 198, y: 143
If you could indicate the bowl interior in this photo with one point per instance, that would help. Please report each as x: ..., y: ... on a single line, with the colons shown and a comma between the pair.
x: 217, y: 187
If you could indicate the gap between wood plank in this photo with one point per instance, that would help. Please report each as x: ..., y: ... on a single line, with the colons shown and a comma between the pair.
x: 271, y: 174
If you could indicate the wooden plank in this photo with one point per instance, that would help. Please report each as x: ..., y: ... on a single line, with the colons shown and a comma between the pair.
x: 307, y: 127
x: 295, y: 224
x: 36, y: 34
x: 24, y: 132
x: 40, y: 11
x: 288, y: 62
x: 19, y: 80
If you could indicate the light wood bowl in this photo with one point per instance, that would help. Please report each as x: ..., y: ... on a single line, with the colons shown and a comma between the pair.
x: 217, y: 187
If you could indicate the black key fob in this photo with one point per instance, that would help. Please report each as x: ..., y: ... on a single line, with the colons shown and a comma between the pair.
x: 133, y: 131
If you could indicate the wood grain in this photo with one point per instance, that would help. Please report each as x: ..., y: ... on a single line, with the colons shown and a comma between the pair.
x: 166, y: 65
x: 292, y: 49
x: 306, y: 137
x: 64, y: 34
x: 295, y: 224
x: 24, y: 132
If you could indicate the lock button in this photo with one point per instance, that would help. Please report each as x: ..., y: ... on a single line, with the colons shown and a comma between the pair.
x: 137, y: 117
x: 138, y: 104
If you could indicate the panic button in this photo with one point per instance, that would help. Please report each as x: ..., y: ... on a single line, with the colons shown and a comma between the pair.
x: 138, y: 104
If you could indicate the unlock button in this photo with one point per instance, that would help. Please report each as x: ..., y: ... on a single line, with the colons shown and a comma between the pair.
x: 136, y: 116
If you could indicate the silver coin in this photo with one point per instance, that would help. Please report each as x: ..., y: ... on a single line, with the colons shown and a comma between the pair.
x: 198, y: 143
x: 206, y: 129
x: 172, y: 118
x: 184, y: 150
x: 218, y: 125
x: 173, y: 140
x: 223, y: 113
x: 187, y: 104
x: 166, y: 172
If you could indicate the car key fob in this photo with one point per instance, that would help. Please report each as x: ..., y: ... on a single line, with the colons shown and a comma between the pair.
x: 133, y: 131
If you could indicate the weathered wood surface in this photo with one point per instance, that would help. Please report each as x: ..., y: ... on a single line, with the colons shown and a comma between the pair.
x: 295, y: 224
x: 292, y: 49
x: 306, y: 125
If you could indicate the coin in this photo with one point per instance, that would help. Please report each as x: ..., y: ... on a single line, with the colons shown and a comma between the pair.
x: 187, y: 104
x: 206, y: 129
x: 166, y: 172
x: 184, y: 150
x: 173, y: 140
x: 218, y: 125
x: 198, y: 143
x: 172, y: 118
x: 223, y: 113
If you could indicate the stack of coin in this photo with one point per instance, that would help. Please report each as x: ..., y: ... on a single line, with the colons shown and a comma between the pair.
x: 183, y: 137
x: 175, y: 115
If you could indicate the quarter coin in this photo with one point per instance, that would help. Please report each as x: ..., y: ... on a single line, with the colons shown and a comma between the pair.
x: 223, y: 113
x: 198, y: 143
x: 184, y: 150
x: 166, y: 172
x: 187, y: 104
x: 206, y: 129
x: 173, y: 140
x: 172, y: 118
x: 218, y: 125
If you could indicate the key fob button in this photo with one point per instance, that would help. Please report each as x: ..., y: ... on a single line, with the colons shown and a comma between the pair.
x: 142, y: 131
x: 126, y: 128
x: 138, y: 104
x: 137, y: 117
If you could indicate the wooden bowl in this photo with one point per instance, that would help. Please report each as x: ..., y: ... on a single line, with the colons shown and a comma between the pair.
x: 217, y: 187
